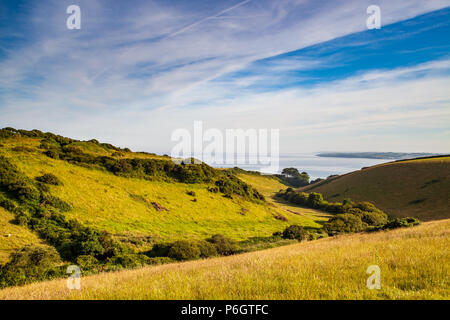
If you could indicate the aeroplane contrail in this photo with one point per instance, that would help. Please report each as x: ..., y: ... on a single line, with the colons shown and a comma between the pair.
x: 207, y: 18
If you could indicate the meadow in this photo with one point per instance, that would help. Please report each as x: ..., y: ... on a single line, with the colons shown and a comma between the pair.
x: 414, y: 264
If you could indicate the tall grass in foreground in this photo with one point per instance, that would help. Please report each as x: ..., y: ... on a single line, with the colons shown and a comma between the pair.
x: 414, y: 264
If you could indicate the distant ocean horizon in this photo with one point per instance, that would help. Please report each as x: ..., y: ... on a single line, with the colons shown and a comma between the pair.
x: 315, y: 166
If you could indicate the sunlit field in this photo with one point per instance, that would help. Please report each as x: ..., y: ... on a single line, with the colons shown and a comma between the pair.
x: 414, y: 264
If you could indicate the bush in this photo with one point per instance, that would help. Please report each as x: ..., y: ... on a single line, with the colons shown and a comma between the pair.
x: 52, y: 153
x: 224, y: 246
x: 55, y: 202
x: 375, y: 219
x: 344, y: 223
x: 49, y: 178
x: 207, y: 249
x: 129, y: 260
x: 159, y: 250
x: 184, y: 250
x: 315, y: 200
x: 295, y: 232
x: 401, y: 223
x: 16, y: 183
x: 87, y: 263
x: 29, y: 264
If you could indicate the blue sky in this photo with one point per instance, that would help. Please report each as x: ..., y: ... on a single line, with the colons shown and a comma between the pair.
x: 138, y: 70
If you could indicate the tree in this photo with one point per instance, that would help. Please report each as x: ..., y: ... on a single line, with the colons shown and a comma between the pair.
x: 294, y: 177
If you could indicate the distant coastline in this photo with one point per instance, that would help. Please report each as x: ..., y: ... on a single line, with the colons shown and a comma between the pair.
x: 376, y: 155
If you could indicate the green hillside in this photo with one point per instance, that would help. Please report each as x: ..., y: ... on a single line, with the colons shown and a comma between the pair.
x: 125, y: 205
x: 132, y: 199
x: 417, y: 188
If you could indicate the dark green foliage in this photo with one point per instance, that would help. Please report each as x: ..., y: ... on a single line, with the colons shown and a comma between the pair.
x: 8, y: 204
x: 213, y: 189
x: 315, y: 200
x: 231, y: 185
x: 30, y: 263
x: 15, y: 183
x: 401, y: 223
x: 55, y: 202
x: 294, y: 178
x: 190, y: 193
x: 129, y: 260
x: 367, y: 215
x: 224, y: 246
x: 49, y: 178
x: 52, y: 153
x: 159, y: 250
x: 184, y: 250
x: 295, y: 232
x: 344, y: 223
x: 207, y: 249
x: 87, y: 263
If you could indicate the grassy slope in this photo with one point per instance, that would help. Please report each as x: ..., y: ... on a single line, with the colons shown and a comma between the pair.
x: 270, y: 185
x: 20, y: 236
x: 418, y: 188
x: 414, y: 264
x: 116, y: 204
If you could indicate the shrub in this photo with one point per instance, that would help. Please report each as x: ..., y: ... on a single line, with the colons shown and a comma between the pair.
x: 55, y: 202
x: 87, y: 263
x: 52, y: 153
x: 295, y: 232
x: 207, y: 249
x: 15, y: 182
x: 401, y: 222
x: 224, y: 246
x: 190, y: 193
x: 315, y: 200
x: 8, y: 204
x: 344, y: 223
x: 129, y: 260
x: 377, y: 218
x: 49, y: 178
x: 184, y: 250
x: 28, y: 264
x: 88, y: 242
x: 159, y: 250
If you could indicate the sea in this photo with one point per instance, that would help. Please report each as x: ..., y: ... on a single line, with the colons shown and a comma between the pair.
x: 315, y: 166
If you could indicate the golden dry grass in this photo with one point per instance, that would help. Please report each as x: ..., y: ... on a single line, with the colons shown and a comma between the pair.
x: 417, y: 188
x: 414, y: 264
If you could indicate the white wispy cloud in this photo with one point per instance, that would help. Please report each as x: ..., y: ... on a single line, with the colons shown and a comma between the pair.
x: 141, y: 72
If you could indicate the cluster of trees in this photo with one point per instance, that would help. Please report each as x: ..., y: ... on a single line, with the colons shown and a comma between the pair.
x: 294, y: 178
x: 349, y: 216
